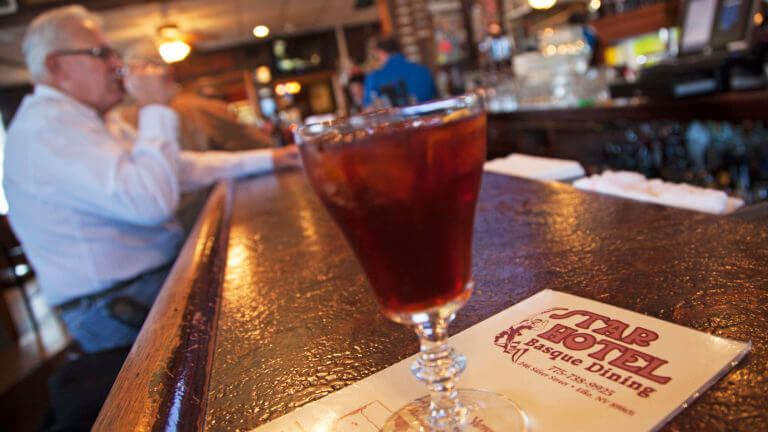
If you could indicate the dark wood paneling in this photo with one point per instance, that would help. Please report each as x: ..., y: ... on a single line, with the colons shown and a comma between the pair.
x: 639, y: 21
x: 28, y: 10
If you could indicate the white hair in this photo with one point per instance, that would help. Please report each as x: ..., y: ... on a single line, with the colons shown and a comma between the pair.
x: 49, y: 32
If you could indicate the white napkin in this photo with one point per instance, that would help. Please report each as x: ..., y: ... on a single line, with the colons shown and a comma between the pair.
x: 635, y: 186
x: 535, y: 167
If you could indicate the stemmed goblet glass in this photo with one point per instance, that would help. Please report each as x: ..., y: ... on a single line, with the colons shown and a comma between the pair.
x: 402, y: 184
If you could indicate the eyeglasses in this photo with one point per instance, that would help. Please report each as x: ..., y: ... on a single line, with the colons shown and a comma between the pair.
x: 103, y: 52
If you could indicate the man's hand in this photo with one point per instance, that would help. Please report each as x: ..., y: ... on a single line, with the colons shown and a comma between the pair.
x: 286, y: 157
x: 149, y: 84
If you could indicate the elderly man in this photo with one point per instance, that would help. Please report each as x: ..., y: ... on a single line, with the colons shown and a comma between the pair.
x: 95, y: 210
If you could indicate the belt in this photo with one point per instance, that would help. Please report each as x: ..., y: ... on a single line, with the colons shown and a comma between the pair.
x: 77, y: 301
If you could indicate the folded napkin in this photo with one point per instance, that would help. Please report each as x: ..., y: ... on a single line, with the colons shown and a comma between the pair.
x: 535, y: 167
x: 635, y: 186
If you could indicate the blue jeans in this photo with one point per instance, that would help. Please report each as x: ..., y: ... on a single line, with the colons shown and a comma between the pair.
x: 92, y: 325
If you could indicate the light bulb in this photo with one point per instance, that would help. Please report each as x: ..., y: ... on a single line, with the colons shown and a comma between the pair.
x: 292, y: 87
x: 541, y: 4
x: 263, y: 74
x: 173, y: 51
x: 261, y: 31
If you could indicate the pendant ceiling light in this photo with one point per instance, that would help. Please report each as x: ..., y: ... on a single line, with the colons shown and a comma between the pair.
x: 542, y: 4
x: 171, y: 42
x: 174, y: 51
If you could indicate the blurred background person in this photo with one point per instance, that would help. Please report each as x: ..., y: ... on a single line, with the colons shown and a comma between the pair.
x: 356, y: 92
x: 205, y: 121
x: 399, y: 79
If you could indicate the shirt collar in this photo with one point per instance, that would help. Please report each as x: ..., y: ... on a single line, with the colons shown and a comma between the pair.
x: 43, y: 90
x: 396, y: 58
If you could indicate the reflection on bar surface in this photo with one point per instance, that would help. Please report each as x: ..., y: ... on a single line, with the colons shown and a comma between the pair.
x: 167, y: 265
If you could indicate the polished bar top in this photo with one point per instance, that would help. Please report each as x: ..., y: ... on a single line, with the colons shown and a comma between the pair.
x: 296, y: 321
x: 267, y: 310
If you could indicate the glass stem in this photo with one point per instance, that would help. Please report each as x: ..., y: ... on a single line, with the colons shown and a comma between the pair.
x: 439, y: 366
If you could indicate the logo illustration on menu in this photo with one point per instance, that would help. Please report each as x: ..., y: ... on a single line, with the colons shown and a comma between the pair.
x: 509, y: 338
x: 605, y: 348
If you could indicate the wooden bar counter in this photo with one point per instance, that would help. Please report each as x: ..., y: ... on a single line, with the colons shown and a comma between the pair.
x: 294, y: 320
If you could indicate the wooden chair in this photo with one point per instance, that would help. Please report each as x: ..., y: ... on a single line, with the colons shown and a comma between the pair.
x: 15, y: 271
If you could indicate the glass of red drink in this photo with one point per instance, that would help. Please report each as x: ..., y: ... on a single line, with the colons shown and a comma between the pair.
x: 402, y: 185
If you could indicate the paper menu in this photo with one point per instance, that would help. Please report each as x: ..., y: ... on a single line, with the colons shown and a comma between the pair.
x: 570, y: 363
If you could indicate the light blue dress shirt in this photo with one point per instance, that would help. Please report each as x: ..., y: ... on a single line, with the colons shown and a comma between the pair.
x: 93, y: 207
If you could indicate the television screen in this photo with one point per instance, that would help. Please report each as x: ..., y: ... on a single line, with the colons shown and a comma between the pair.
x: 729, y: 15
x: 697, y: 25
x: 303, y: 53
x: 7, y: 7
x: 734, y: 24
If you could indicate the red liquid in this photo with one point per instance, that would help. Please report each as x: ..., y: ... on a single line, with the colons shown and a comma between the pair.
x: 405, y: 199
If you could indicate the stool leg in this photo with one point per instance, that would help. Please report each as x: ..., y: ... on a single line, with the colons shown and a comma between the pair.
x: 28, y: 305
x: 5, y: 316
x: 19, y: 283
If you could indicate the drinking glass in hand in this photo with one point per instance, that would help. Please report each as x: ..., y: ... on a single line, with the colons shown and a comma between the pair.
x: 402, y: 184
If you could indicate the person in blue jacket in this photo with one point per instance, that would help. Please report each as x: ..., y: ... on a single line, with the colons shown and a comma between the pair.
x: 398, y: 78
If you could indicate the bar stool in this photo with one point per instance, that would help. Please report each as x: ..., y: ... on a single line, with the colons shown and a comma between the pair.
x: 78, y: 389
x: 15, y: 270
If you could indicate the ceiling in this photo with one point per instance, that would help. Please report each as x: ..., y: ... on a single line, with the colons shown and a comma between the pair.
x: 227, y: 22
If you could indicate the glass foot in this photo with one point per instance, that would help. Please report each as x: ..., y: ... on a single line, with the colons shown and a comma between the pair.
x: 485, y: 412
